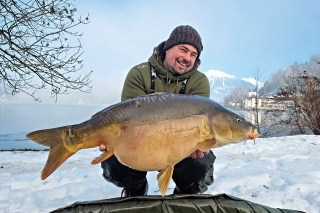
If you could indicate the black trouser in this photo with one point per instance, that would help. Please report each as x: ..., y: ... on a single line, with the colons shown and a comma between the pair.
x: 190, y: 175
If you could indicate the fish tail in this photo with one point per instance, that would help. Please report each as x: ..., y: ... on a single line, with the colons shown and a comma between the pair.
x: 47, y: 137
x: 58, y: 152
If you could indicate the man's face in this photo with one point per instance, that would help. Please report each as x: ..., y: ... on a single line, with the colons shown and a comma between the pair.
x: 180, y: 58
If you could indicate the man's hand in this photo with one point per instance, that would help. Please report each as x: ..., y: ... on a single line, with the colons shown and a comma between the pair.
x: 198, y: 154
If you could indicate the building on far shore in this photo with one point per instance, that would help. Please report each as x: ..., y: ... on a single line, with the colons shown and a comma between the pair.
x: 265, y: 102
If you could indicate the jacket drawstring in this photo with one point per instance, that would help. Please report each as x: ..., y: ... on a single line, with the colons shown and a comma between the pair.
x: 153, y: 74
x: 167, y: 81
x: 177, y: 84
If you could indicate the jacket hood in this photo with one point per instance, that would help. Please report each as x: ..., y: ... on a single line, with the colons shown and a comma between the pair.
x: 156, y: 60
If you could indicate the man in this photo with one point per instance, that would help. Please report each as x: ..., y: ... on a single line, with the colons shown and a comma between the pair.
x: 171, y: 68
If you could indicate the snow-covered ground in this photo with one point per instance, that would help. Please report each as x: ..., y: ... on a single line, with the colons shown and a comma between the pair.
x: 281, y: 172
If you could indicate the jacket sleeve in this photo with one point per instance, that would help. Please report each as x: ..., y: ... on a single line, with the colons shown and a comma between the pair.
x: 134, y: 85
x: 198, y: 85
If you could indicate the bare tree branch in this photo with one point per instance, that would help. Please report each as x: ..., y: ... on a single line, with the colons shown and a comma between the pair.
x: 304, y: 91
x: 38, y: 48
x: 240, y: 94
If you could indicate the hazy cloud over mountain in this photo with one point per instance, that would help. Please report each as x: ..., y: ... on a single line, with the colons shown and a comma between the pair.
x: 222, y: 84
x: 278, y: 79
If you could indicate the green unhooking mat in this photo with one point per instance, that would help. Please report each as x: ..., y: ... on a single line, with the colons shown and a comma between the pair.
x: 205, y: 203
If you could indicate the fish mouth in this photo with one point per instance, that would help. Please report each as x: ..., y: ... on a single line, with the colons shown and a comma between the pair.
x: 253, y: 134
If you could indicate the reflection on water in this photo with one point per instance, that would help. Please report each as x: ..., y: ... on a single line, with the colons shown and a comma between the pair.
x: 16, y: 120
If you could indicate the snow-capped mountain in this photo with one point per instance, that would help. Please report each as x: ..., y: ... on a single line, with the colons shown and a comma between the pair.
x: 218, y: 76
x: 222, y: 84
x: 253, y: 82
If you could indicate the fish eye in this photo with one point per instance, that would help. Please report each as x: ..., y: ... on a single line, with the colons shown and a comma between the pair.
x: 238, y: 119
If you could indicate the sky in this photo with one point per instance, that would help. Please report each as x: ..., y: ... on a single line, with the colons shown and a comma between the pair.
x: 238, y: 37
x: 279, y: 172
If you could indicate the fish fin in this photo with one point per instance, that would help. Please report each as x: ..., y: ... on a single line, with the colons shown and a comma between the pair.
x: 102, y: 157
x: 205, y: 129
x: 47, y: 137
x: 57, y: 153
x: 164, y: 178
x: 206, y: 145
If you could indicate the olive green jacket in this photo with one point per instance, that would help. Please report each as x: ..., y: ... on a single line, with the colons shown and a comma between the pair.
x: 138, y: 80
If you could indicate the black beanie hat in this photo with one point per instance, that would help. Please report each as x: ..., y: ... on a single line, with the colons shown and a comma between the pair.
x: 184, y: 34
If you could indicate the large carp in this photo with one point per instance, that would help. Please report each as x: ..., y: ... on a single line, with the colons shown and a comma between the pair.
x: 148, y: 133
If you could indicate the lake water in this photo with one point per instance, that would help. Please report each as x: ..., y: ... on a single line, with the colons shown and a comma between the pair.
x: 16, y: 120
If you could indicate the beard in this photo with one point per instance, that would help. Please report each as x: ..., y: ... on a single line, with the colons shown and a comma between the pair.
x: 179, y: 68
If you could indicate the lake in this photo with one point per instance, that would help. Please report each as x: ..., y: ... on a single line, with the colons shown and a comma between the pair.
x: 17, y: 119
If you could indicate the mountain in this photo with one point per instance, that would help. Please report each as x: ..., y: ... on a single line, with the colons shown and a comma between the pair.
x: 222, y: 84
x: 253, y: 81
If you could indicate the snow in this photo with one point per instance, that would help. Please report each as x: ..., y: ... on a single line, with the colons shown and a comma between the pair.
x: 253, y: 81
x: 280, y: 172
x: 213, y: 74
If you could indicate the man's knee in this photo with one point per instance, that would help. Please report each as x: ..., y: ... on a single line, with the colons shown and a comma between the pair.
x: 119, y: 174
x: 194, y: 175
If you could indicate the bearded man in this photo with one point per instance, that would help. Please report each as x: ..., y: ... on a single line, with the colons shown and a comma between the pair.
x: 173, y: 67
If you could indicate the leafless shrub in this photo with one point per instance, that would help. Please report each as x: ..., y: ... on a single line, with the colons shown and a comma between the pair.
x: 303, y: 90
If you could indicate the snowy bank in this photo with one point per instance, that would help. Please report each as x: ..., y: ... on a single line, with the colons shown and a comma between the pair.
x: 281, y: 172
